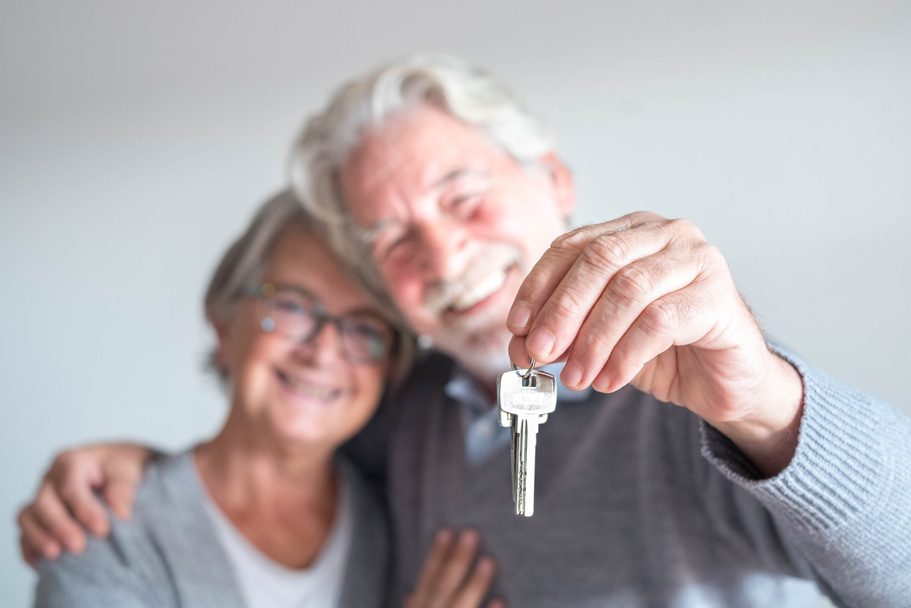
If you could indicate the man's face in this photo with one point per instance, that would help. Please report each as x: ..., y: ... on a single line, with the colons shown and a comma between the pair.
x: 455, y: 224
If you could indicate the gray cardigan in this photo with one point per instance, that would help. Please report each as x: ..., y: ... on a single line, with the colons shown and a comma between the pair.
x: 639, y: 504
x: 168, y: 554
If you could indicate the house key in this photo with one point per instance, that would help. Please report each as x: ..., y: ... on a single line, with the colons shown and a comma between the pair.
x: 525, y: 398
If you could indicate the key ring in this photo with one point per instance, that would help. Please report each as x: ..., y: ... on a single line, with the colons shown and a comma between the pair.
x: 531, y: 367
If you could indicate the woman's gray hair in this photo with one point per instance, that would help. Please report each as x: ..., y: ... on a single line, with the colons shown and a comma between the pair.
x: 245, y: 261
x: 465, y: 91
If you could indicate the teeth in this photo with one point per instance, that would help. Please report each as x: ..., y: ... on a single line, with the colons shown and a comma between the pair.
x: 310, y: 390
x: 480, y: 291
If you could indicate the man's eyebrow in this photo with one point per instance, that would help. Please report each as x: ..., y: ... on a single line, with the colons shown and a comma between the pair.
x: 457, y: 174
x: 368, y: 234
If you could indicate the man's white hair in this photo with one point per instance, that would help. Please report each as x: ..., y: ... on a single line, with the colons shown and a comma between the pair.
x: 464, y: 91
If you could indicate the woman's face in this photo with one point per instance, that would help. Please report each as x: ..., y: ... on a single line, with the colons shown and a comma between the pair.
x: 304, y: 392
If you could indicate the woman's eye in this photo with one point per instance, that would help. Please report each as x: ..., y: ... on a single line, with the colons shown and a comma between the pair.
x: 291, y: 307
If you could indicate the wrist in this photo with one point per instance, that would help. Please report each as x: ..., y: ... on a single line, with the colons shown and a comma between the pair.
x: 768, y: 434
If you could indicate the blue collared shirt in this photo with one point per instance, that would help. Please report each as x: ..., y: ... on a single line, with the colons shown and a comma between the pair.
x: 483, y: 433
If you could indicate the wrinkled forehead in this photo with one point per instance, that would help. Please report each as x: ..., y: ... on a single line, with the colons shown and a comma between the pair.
x: 405, y: 158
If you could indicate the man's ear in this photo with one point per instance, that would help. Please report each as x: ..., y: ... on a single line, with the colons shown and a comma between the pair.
x: 561, y: 179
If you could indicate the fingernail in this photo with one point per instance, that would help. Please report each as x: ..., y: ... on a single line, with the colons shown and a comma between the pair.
x: 51, y: 552
x: 486, y: 565
x: 519, y: 316
x: 444, y: 535
x: 571, y: 375
x: 540, y: 342
x: 469, y: 538
x: 602, y: 383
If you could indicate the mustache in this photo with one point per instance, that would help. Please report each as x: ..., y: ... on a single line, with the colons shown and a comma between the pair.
x: 443, y: 292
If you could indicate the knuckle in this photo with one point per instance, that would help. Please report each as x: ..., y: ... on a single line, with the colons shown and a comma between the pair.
x: 64, y: 463
x: 573, y: 240
x: 606, y: 250
x: 69, y: 490
x: 639, y: 217
x: 632, y: 283
x: 686, y: 228
x: 65, y: 457
x: 22, y: 515
x: 589, y: 345
x: 660, y: 317
x: 46, y: 494
x: 710, y: 254
x: 564, y: 307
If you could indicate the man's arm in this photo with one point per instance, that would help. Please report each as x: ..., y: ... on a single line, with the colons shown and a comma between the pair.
x: 66, y: 503
x: 844, y: 498
x: 647, y: 301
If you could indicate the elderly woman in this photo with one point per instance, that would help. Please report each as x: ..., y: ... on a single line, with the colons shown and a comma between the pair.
x: 266, y: 513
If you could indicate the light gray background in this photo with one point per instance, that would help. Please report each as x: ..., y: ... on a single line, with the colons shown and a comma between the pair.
x: 136, y: 138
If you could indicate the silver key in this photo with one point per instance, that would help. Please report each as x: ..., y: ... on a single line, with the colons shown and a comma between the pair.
x: 525, y: 398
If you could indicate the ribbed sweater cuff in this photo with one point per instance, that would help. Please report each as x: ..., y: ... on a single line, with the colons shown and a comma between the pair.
x: 836, y: 472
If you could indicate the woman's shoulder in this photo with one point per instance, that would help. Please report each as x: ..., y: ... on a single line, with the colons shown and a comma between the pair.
x: 144, y: 558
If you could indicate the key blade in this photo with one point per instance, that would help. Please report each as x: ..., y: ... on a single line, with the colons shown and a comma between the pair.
x: 513, y: 457
x: 528, y: 426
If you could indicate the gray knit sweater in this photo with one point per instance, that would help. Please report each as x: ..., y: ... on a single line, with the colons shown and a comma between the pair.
x: 169, y: 555
x: 639, y: 503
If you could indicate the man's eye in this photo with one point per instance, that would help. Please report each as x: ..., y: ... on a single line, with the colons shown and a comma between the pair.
x: 465, y: 204
x: 394, y: 245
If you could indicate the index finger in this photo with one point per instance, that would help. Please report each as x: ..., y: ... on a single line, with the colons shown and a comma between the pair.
x: 547, y: 272
x: 563, y: 287
x: 73, y: 486
x: 433, y: 566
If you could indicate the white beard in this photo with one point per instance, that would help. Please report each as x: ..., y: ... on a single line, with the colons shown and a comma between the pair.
x: 482, y: 350
x: 478, y: 341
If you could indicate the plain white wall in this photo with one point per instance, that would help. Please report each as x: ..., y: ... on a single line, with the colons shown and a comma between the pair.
x: 136, y: 138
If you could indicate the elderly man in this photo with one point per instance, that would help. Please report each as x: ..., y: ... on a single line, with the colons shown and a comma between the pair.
x: 688, y: 463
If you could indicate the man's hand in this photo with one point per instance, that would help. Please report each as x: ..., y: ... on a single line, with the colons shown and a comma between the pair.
x: 647, y: 301
x: 451, y: 576
x: 66, y: 499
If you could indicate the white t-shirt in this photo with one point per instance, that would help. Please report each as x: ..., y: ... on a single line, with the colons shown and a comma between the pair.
x: 265, y: 583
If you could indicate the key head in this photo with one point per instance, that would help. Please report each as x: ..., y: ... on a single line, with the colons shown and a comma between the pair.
x: 520, y: 396
x: 505, y: 419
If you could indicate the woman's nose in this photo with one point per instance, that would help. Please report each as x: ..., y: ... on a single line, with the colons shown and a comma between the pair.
x: 326, y: 344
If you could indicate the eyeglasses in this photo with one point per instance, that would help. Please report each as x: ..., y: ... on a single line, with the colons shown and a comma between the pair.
x: 295, y: 313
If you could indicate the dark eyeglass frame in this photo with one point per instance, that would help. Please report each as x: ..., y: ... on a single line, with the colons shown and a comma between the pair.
x: 315, y: 308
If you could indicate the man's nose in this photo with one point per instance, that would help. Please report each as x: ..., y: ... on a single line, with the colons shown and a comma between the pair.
x: 443, y: 249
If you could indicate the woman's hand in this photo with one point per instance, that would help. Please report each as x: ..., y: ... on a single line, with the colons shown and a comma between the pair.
x: 453, y: 576
x: 66, y: 501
